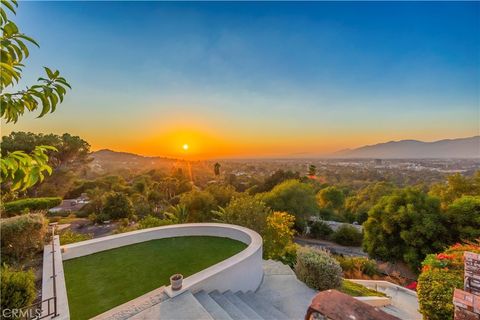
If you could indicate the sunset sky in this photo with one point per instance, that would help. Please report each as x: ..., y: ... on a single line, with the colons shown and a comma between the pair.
x: 256, y: 79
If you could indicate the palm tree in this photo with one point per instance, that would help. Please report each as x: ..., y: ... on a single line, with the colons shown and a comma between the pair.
x: 177, y: 214
x: 216, y: 168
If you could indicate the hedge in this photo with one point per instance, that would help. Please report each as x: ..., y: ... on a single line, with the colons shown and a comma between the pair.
x: 30, y: 204
x: 22, y: 236
x: 17, y: 288
x: 347, y: 235
x: 441, y: 274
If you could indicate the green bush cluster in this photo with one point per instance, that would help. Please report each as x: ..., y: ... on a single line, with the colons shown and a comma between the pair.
x: 30, y: 204
x: 17, y: 288
x: 22, y: 236
x: 435, y: 293
x: 347, y: 236
x: 320, y: 230
x: 354, y: 266
x: 318, y: 269
x: 441, y: 274
x: 69, y: 236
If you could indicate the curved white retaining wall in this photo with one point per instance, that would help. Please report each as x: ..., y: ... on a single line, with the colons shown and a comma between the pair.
x: 242, y: 271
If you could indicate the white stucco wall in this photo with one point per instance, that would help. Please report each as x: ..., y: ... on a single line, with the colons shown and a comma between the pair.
x: 242, y: 271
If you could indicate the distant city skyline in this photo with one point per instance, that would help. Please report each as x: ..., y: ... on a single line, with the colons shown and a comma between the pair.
x: 256, y: 79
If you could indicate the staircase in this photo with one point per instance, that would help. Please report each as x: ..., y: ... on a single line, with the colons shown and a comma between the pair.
x: 280, y: 297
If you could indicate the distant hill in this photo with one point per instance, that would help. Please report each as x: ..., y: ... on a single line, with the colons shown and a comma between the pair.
x: 106, y: 160
x: 411, y: 149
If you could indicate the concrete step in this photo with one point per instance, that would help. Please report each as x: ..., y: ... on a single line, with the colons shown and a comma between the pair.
x: 184, y: 306
x: 215, y: 310
x: 240, y: 304
x: 226, y: 305
x: 261, y: 306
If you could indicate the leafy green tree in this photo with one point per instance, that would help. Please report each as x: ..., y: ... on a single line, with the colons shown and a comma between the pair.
x: 278, y: 235
x: 216, y: 168
x: 312, y: 170
x: 246, y: 211
x: 222, y: 193
x: 177, y: 214
x: 294, y: 197
x: 463, y: 218
x: 405, y: 226
x: 276, y: 178
x: 331, y: 198
x: 22, y: 169
x: 359, y: 204
x: 199, y: 204
x: 117, y: 206
x: 455, y: 187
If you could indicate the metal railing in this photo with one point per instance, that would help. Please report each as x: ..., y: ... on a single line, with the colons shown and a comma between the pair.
x: 47, y: 307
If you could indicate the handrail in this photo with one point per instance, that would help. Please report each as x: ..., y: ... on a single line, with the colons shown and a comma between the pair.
x: 37, y: 308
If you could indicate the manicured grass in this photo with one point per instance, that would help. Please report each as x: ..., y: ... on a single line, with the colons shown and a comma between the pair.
x: 357, y: 290
x: 101, y: 281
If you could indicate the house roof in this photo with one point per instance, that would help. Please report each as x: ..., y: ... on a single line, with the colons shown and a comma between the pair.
x: 336, y: 305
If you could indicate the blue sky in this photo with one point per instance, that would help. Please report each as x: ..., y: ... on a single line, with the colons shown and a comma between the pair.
x: 257, y: 78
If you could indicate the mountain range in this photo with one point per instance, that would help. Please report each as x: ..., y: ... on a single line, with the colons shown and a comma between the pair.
x: 414, y: 149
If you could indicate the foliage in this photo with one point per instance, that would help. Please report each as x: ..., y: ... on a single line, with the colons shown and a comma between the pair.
x: 331, y: 197
x: 357, y: 290
x: 22, y: 236
x: 312, y: 170
x: 294, y: 197
x: 221, y: 193
x: 117, y: 206
x: 20, y: 169
x: 278, y: 235
x: 435, y: 292
x: 216, y: 168
x: 276, y: 178
x: 360, y: 203
x: 405, y: 226
x: 69, y: 149
x: 152, y: 222
x: 441, y: 274
x: 463, y: 218
x: 318, y: 269
x: 31, y: 204
x: 177, y: 214
x: 320, y: 230
x: 455, y: 187
x: 246, y: 211
x: 24, y: 170
x: 347, y: 235
x: 17, y: 288
x: 199, y: 204
x: 69, y: 236
x: 354, y: 266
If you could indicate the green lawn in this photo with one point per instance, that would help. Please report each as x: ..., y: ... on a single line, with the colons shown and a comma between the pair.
x: 101, y: 281
x: 357, y: 290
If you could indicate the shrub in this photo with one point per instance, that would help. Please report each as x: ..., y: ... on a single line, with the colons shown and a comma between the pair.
x: 69, y: 236
x: 347, y: 236
x: 151, y: 222
x: 30, y: 204
x: 22, y: 236
x: 435, y: 292
x: 357, y: 290
x: 318, y: 269
x: 320, y: 230
x: 117, y: 206
x: 441, y: 274
x: 278, y: 235
x: 18, y: 288
x: 353, y: 267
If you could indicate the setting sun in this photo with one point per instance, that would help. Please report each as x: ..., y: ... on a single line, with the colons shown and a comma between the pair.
x: 185, y: 147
